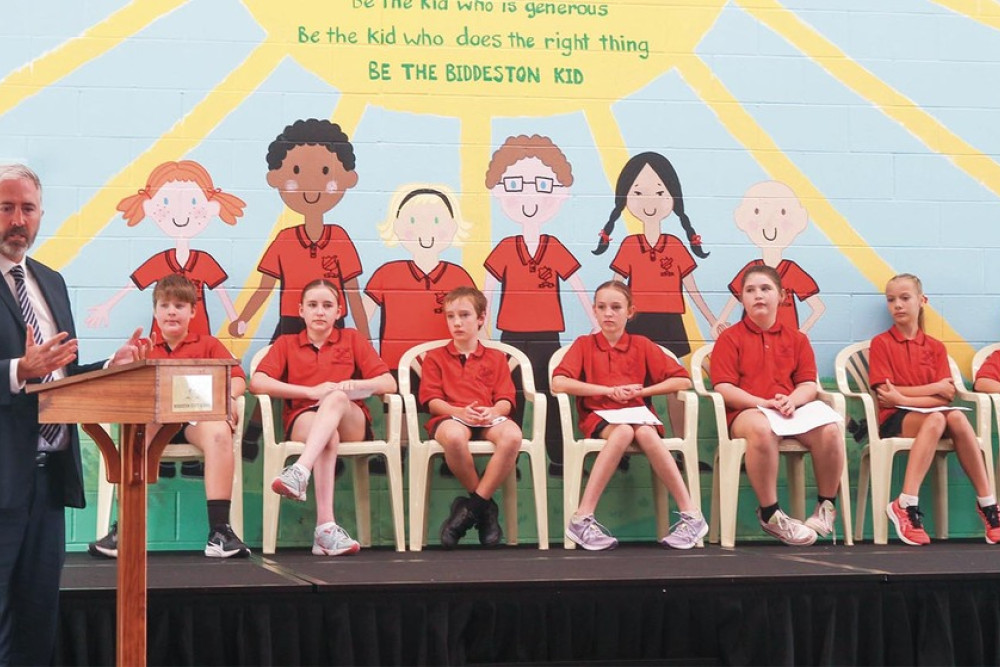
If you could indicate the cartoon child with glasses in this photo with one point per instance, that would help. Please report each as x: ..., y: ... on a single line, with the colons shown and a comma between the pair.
x: 531, y: 178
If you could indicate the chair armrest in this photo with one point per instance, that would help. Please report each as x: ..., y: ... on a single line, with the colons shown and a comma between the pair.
x: 410, y: 418
x: 394, y: 418
x: 267, y: 419
x: 690, y: 401
x: 719, y: 407
x: 565, y: 417
x: 538, y: 415
x: 835, y: 400
x: 981, y: 401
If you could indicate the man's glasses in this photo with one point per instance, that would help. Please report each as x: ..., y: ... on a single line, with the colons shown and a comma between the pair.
x: 543, y: 184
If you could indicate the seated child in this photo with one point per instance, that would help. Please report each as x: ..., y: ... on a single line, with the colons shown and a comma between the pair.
x: 325, y: 373
x: 613, y: 369
x: 908, y: 368
x: 468, y: 390
x: 174, y: 299
x: 760, y: 361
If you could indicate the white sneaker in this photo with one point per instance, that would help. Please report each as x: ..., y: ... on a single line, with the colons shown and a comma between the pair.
x: 291, y: 483
x: 332, y: 540
x: 685, y: 533
x: 790, y: 531
x: 823, y: 519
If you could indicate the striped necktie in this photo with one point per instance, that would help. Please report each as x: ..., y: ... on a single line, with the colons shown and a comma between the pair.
x: 50, y: 432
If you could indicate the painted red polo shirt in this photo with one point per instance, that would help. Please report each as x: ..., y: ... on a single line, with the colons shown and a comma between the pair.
x: 196, y: 346
x: 529, y: 299
x: 990, y: 370
x: 654, y: 273
x: 484, y: 376
x: 344, y: 356
x: 296, y: 261
x: 412, y: 304
x: 634, y: 359
x: 200, y: 268
x: 905, y: 363
x: 794, y: 280
x: 762, y: 363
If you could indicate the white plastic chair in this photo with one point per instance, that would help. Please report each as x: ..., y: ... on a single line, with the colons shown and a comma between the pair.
x: 422, y: 451
x: 977, y: 362
x: 575, y: 450
x: 729, y: 457
x: 177, y: 452
x: 876, y: 458
x: 276, y: 453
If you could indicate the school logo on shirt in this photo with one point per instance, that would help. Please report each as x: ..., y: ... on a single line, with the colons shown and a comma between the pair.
x: 928, y: 357
x: 545, y: 276
x: 666, y: 266
x: 485, y: 376
x: 341, y: 355
x: 439, y: 300
x: 786, y: 350
x: 331, y: 266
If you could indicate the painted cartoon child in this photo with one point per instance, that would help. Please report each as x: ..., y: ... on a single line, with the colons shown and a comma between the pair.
x: 530, y: 178
x: 656, y: 265
x: 311, y: 164
x: 425, y: 221
x: 181, y: 199
x: 772, y: 216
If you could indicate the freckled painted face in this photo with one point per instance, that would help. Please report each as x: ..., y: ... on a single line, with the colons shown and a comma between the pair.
x: 771, y: 215
x: 180, y: 209
x: 648, y: 198
x: 529, y: 192
x: 424, y: 224
x: 311, y: 180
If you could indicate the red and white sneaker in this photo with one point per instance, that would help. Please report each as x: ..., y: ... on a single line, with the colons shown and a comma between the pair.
x: 991, y: 520
x: 908, y: 522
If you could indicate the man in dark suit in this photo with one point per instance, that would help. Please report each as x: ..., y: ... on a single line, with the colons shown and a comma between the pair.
x: 40, y: 469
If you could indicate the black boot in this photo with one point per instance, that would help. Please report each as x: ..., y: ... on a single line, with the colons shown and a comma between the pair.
x: 459, y: 521
x: 490, y: 533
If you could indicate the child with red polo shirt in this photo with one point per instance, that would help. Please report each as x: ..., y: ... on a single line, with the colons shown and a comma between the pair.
x: 469, y: 392
x: 761, y: 362
x: 174, y: 299
x: 908, y: 368
x: 325, y: 373
x: 609, y: 370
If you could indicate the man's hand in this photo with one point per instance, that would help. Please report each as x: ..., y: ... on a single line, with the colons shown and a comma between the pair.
x: 40, y: 360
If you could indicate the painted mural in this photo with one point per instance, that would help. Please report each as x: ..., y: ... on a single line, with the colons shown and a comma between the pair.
x: 532, y: 148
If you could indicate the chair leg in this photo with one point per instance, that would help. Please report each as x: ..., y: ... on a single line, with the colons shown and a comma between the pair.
x: 939, y: 488
x: 572, y: 480
x: 539, y: 481
x: 510, y: 507
x: 795, y: 473
x: 273, y: 460
x: 845, y: 505
x: 693, y: 478
x: 864, y: 470
x: 729, y: 493
x: 394, y: 474
x: 881, y: 481
x: 419, y: 470
x: 713, y: 521
x: 362, y: 499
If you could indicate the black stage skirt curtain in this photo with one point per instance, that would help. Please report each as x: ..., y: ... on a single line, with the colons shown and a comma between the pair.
x: 872, y: 623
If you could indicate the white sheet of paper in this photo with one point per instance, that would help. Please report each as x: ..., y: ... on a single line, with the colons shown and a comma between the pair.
x: 498, y: 420
x: 806, y: 418
x: 943, y: 408
x: 637, y: 415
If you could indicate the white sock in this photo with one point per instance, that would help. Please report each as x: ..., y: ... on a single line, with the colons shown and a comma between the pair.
x: 692, y: 514
x: 986, y: 501
x: 305, y: 470
x: 908, y: 501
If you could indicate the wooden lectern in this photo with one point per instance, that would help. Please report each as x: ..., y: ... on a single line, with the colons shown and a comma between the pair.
x: 167, y: 392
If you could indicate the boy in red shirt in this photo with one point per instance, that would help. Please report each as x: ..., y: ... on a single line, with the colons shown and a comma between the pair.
x: 174, y: 299
x: 469, y: 392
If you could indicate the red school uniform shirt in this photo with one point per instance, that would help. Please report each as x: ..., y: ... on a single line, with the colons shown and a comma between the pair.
x: 201, y: 269
x: 654, y: 273
x: 529, y: 299
x: 412, y: 304
x: 905, y: 363
x: 990, y: 370
x: 345, y: 355
x: 634, y: 359
x: 794, y: 280
x: 196, y: 346
x: 296, y: 261
x: 457, y: 379
x: 762, y: 362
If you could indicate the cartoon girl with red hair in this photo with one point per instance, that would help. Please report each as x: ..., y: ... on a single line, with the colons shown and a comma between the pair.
x: 181, y: 199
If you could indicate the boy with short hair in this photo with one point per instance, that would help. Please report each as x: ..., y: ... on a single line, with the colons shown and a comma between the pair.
x: 174, y: 301
x: 468, y: 389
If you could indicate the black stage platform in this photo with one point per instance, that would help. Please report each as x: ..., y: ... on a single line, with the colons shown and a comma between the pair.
x: 638, y: 604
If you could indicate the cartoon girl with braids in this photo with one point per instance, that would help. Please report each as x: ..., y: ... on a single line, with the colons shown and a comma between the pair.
x: 656, y: 265
x: 181, y: 200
